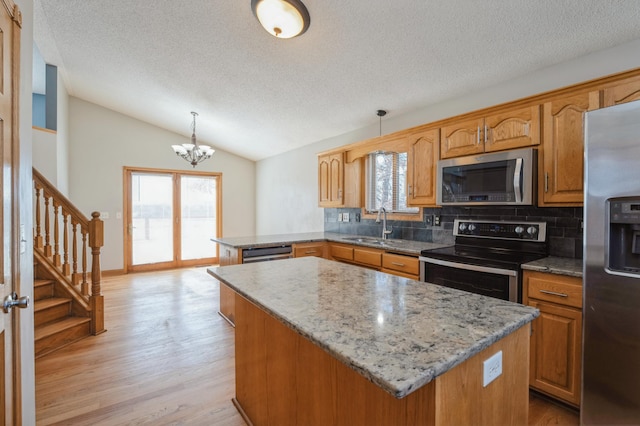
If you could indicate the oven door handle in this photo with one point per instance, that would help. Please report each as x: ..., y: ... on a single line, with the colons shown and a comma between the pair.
x: 468, y: 267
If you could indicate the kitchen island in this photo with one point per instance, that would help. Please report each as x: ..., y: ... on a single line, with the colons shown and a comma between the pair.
x: 320, y: 342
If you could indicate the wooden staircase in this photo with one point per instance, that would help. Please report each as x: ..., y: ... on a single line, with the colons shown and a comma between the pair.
x: 68, y: 305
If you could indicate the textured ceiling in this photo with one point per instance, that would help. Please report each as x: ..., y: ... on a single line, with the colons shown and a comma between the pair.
x: 258, y: 96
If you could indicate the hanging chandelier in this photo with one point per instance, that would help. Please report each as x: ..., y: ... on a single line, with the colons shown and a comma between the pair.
x: 192, y: 152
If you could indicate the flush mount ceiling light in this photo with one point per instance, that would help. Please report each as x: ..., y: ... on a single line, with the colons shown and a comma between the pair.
x: 282, y: 18
x: 192, y: 152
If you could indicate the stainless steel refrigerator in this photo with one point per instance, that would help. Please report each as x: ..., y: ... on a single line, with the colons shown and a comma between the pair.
x: 611, y: 308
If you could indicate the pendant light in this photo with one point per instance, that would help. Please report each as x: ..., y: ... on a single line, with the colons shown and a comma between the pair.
x: 282, y: 18
x: 381, y: 113
x: 192, y: 152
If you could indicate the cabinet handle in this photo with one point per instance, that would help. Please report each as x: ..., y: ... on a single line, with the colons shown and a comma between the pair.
x: 409, y: 189
x: 478, y: 136
x: 553, y: 293
x: 486, y: 134
x: 398, y: 264
x: 546, y: 181
x: 310, y: 252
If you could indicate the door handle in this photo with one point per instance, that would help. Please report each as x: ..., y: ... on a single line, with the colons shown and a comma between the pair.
x: 12, y: 300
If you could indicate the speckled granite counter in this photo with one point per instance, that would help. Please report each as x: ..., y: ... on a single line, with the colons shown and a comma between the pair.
x: 392, y: 245
x: 556, y: 265
x: 397, y: 332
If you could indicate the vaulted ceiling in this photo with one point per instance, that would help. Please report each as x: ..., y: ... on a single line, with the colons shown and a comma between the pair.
x: 258, y: 96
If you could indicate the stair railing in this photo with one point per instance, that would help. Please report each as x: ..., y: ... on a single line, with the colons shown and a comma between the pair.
x: 69, y: 265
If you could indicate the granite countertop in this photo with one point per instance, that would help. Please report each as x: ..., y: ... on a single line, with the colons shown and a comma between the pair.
x: 391, y: 245
x: 397, y: 332
x: 556, y: 265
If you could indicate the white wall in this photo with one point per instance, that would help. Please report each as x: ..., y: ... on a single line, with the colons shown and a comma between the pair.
x: 25, y: 197
x: 45, y: 153
x: 62, y: 146
x: 103, y: 141
x: 287, y: 184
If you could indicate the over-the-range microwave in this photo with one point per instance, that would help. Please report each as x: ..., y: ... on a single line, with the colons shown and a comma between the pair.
x: 499, y: 178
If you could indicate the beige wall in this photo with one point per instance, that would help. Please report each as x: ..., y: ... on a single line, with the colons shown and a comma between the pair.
x: 287, y: 184
x: 102, y: 142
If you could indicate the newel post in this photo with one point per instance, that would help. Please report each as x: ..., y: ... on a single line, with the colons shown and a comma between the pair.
x: 96, y: 241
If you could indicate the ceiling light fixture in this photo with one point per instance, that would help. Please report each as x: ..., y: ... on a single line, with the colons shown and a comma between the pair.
x: 192, y: 152
x: 282, y: 18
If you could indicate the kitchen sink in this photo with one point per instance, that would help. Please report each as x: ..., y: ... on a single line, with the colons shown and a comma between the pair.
x: 368, y: 240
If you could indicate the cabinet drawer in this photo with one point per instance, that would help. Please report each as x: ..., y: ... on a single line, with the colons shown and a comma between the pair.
x: 367, y: 257
x: 554, y: 288
x: 398, y: 262
x: 308, y: 249
x: 341, y: 252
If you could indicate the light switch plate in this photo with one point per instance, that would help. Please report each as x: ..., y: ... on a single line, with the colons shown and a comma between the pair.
x: 345, y: 217
x: 339, y: 217
x: 491, y: 369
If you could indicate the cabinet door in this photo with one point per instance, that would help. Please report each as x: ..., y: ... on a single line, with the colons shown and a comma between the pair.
x: 625, y: 91
x: 330, y: 180
x: 462, y: 138
x: 513, y: 129
x: 424, y: 151
x: 316, y: 249
x: 227, y: 303
x: 556, y: 359
x: 562, y: 164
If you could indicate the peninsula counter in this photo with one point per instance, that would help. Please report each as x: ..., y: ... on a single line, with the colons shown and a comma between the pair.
x: 321, y: 342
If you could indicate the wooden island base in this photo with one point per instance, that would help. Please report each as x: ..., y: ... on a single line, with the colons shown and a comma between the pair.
x: 282, y: 378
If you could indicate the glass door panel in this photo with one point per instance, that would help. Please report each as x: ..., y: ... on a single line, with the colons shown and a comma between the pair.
x: 198, y: 204
x: 152, y: 218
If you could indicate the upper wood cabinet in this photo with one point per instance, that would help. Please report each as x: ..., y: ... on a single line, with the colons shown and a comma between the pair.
x: 562, y: 157
x: 463, y: 138
x: 340, y: 184
x: 512, y: 129
x: 331, y: 180
x: 624, y: 91
x: 424, y: 151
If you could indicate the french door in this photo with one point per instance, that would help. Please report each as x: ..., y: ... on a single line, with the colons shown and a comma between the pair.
x: 171, y: 217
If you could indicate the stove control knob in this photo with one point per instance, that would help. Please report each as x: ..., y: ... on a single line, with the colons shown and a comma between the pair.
x: 519, y: 229
x: 462, y: 226
x: 532, y: 230
x: 472, y: 227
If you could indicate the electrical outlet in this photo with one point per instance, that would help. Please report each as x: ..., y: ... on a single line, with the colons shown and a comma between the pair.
x: 357, y: 217
x: 436, y: 220
x: 345, y: 217
x: 339, y: 217
x: 428, y: 220
x: 491, y: 369
x: 104, y: 215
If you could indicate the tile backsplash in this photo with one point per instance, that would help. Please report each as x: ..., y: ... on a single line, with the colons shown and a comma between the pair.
x: 564, y: 224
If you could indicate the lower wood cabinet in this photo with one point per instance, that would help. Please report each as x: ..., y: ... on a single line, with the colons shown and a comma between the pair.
x: 556, y: 338
x: 400, y: 264
x: 317, y: 249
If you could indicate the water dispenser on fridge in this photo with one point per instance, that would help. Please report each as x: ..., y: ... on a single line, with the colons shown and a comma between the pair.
x: 623, y: 251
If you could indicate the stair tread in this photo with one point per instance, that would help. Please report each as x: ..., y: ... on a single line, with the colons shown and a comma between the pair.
x: 53, y: 327
x: 38, y: 282
x: 40, y: 305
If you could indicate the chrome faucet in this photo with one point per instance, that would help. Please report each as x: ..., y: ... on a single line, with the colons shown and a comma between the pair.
x: 385, y: 231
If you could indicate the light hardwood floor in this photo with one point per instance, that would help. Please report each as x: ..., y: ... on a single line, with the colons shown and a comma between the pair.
x: 166, y: 359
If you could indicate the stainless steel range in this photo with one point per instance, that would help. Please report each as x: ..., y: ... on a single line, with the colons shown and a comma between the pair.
x: 486, y: 257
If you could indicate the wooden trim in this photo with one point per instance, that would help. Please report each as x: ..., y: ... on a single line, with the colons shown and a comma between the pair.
x: 113, y: 272
x: 415, y: 217
x: 42, y: 129
x: 176, y: 262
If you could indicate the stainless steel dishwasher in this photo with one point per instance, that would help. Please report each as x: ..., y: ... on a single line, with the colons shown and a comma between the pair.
x: 264, y: 254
